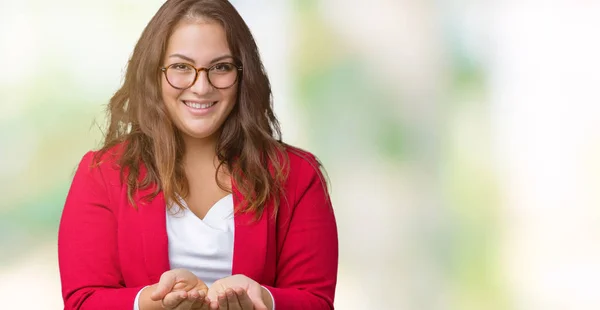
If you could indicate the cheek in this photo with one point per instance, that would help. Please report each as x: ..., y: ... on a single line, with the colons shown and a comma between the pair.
x: 169, y: 94
x: 230, y: 95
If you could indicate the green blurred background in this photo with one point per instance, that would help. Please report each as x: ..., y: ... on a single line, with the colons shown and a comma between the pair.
x: 461, y: 139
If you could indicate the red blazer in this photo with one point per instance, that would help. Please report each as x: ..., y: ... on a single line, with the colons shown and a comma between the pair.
x: 108, y: 250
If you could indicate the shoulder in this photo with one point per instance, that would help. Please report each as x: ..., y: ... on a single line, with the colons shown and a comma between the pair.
x: 300, y: 160
x: 96, y: 178
x: 101, y: 164
x: 304, y: 169
x: 306, y: 195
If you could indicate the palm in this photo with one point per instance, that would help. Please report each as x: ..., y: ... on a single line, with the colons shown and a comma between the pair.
x: 177, y: 280
x: 184, y: 280
x: 250, y: 286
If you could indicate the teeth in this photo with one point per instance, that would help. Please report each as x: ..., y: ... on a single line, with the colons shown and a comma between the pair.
x: 199, y: 105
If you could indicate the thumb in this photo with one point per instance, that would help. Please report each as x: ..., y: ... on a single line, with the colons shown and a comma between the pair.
x: 164, y: 286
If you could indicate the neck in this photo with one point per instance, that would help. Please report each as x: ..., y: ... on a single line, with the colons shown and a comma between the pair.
x: 200, y: 151
x: 200, y: 161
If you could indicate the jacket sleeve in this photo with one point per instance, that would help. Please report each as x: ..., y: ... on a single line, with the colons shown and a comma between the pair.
x: 308, y: 260
x: 87, y: 246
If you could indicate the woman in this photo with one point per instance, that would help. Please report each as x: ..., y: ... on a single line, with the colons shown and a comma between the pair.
x: 193, y: 202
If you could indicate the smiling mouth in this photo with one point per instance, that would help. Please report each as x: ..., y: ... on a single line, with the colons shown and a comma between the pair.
x: 200, y: 106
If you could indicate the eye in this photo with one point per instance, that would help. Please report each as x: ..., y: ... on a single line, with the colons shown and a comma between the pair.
x: 223, y: 67
x: 181, y: 67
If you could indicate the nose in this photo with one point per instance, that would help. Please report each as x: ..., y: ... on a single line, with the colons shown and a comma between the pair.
x: 202, y: 85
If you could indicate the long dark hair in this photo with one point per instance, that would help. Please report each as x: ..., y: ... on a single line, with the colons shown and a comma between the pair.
x: 249, y: 145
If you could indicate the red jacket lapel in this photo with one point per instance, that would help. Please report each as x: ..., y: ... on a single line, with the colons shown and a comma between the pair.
x: 250, y: 242
x: 155, y: 242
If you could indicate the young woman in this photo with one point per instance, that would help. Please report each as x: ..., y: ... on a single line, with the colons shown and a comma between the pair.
x: 193, y: 201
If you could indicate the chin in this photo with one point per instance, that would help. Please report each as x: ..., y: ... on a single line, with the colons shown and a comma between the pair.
x: 199, y: 134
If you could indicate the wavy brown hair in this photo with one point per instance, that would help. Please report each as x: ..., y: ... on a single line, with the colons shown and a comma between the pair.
x: 249, y: 145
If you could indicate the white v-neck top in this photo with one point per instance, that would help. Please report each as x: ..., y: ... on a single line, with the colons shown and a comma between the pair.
x: 202, y: 246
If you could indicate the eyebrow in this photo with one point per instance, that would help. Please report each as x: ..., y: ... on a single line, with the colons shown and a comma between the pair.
x: 193, y: 62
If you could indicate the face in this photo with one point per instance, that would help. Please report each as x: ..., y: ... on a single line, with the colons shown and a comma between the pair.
x: 200, y: 110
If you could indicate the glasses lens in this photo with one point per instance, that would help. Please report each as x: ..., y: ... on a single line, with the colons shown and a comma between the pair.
x: 223, y: 75
x: 181, y: 75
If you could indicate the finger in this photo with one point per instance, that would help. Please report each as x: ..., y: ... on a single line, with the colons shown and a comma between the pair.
x: 194, y: 294
x: 204, y: 295
x: 185, y: 305
x: 243, y: 299
x: 164, y: 286
x: 202, y: 303
x: 173, y: 299
x: 259, y: 305
x: 223, y: 303
x: 208, y: 303
x: 204, y: 298
x: 201, y: 285
x: 179, y: 286
x: 232, y: 300
x: 214, y: 305
x: 212, y: 294
x: 200, y: 306
x: 257, y: 301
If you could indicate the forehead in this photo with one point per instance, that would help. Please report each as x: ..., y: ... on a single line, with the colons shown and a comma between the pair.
x: 201, y: 41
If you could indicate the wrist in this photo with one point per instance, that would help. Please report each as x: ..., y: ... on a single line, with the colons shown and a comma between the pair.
x: 145, y: 302
x: 267, y: 297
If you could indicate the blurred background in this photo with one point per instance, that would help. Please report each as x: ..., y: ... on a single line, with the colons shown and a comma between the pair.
x: 461, y: 138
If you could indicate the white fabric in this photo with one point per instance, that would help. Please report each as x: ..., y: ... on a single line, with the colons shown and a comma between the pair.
x: 202, y: 246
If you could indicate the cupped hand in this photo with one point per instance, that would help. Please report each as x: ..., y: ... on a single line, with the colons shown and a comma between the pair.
x: 237, y: 292
x: 234, y: 299
x: 180, y: 289
x: 182, y: 300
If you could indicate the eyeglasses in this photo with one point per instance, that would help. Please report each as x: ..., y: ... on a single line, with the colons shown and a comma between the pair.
x: 220, y: 75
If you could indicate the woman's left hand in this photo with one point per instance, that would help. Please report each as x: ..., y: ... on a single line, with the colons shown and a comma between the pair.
x: 237, y: 292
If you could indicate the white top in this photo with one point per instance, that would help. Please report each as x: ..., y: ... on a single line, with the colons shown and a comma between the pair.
x: 202, y: 246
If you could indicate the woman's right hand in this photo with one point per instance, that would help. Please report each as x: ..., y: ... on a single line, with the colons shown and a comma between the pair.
x: 184, y: 301
x: 179, y: 289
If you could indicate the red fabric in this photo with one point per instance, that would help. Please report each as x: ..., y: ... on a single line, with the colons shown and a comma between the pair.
x: 108, y: 250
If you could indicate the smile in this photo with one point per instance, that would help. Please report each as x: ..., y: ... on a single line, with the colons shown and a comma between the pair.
x: 197, y: 105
